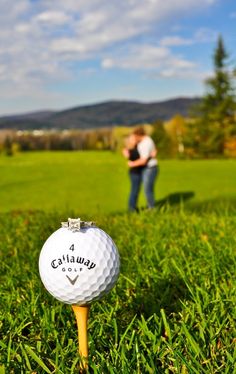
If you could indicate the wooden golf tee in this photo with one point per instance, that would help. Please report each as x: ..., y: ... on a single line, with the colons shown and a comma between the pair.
x: 81, y: 314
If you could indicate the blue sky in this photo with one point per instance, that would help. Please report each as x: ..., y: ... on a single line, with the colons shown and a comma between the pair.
x: 60, y: 54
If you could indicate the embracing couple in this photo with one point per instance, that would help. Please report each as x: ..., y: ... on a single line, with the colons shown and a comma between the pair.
x: 141, y: 154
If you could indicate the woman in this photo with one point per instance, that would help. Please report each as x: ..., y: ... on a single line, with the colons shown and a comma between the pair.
x: 135, y: 172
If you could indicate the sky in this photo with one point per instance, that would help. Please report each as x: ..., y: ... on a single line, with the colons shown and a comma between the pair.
x: 65, y: 53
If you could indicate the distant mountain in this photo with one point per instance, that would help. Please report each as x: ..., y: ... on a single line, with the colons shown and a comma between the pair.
x: 111, y: 113
x: 27, y: 121
x: 37, y: 116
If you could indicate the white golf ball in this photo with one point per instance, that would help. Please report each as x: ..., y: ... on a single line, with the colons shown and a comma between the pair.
x: 79, y: 267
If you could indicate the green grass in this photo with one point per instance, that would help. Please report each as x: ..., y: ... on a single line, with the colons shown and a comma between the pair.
x: 173, y: 308
x: 97, y: 182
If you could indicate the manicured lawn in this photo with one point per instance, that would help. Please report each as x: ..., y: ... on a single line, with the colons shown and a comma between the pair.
x: 97, y: 182
x: 173, y: 309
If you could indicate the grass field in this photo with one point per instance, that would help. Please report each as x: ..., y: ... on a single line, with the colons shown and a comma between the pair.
x: 173, y: 309
x: 97, y: 182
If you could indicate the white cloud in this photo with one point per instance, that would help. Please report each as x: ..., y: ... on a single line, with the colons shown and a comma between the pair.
x: 160, y: 61
x: 205, y: 35
x: 52, y: 17
x: 171, y: 41
x: 202, y: 35
x: 37, y: 41
x: 180, y: 74
x: 2, y: 71
x: 22, y: 28
x: 68, y: 45
x: 140, y: 57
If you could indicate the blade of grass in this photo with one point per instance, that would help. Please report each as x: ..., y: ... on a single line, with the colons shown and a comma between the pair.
x: 37, y: 359
x: 166, y: 325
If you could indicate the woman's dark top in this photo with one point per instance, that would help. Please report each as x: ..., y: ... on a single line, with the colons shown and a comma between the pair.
x: 133, y: 156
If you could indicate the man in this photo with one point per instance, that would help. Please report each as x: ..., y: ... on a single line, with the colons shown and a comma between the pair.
x: 147, y: 151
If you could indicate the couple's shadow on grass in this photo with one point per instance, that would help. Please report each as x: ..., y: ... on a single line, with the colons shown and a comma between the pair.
x: 218, y: 204
x: 175, y: 198
x: 170, y: 291
x: 168, y: 294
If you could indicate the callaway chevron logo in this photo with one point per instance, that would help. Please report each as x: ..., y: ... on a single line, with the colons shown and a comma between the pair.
x: 72, y: 281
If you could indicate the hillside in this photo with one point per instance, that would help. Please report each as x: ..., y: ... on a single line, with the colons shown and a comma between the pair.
x: 111, y: 113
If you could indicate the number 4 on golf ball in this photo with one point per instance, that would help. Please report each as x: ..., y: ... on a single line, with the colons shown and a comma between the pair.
x: 79, y: 266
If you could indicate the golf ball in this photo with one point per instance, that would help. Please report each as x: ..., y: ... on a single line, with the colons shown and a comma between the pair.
x: 79, y: 267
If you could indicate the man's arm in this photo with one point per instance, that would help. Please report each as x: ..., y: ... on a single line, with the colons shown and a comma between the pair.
x: 154, y: 153
x: 138, y: 162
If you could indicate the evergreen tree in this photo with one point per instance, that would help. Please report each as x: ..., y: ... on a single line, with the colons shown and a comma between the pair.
x: 217, y: 109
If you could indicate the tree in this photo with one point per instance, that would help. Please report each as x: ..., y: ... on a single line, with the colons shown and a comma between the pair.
x: 8, y: 146
x: 161, y: 139
x: 217, y: 109
x: 175, y: 128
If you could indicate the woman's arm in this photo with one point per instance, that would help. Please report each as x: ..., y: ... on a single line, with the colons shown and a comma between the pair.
x: 142, y: 161
x: 138, y: 162
x: 125, y: 153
